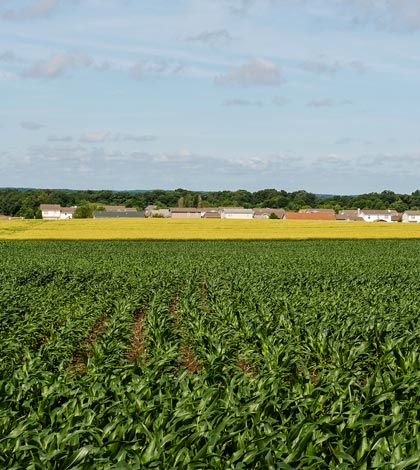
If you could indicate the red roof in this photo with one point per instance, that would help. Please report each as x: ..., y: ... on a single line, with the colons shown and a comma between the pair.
x: 310, y: 216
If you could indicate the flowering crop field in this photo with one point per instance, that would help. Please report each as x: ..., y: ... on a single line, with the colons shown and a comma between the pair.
x: 193, y: 355
x: 201, y: 229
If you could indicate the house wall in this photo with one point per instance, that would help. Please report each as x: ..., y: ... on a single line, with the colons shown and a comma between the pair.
x: 51, y: 215
x: 160, y: 213
x: 375, y: 217
x: 237, y: 216
x: 65, y: 215
x: 411, y: 218
x: 186, y: 215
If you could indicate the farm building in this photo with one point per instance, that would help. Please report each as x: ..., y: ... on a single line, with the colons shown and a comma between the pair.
x: 210, y: 214
x: 119, y: 209
x: 185, y: 213
x: 236, y: 213
x: 266, y: 212
x: 411, y: 216
x: 153, y: 211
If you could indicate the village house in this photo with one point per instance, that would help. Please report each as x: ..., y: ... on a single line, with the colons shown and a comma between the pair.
x: 349, y: 216
x: 67, y: 212
x: 185, y: 213
x: 236, y: 213
x: 51, y: 211
x: 56, y: 212
x: 152, y: 211
x: 210, y: 213
x: 411, y: 217
x: 266, y: 212
x: 377, y: 215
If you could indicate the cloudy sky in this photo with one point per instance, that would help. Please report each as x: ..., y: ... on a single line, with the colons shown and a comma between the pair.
x: 321, y: 95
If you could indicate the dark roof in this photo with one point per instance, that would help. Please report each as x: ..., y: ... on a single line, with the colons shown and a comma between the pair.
x: 268, y: 211
x: 119, y: 209
x: 69, y: 210
x: 212, y: 215
x: 350, y: 215
x: 237, y: 210
x: 50, y: 207
x: 379, y: 211
x: 118, y: 215
x: 185, y: 209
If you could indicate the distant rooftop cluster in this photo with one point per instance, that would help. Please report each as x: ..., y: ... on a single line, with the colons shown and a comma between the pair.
x: 56, y: 212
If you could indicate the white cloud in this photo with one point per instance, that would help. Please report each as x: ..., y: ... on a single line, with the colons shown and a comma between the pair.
x: 136, y: 138
x: 94, y: 137
x: 8, y: 56
x: 391, y: 161
x: 324, y: 67
x: 322, y: 103
x: 8, y: 76
x: 64, y: 138
x: 332, y: 160
x: 59, y: 154
x: 217, y: 37
x: 31, y: 125
x: 280, y: 101
x: 396, y: 15
x: 328, y: 102
x: 242, y: 103
x: 57, y: 65
x: 255, y: 72
x: 149, y: 69
x: 320, y: 68
x: 37, y: 9
x: 241, y: 6
x: 102, y: 136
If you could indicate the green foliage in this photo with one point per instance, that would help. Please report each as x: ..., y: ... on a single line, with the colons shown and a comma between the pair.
x: 283, y: 355
x: 26, y: 202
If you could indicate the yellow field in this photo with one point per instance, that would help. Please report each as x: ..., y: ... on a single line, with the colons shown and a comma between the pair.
x: 200, y: 229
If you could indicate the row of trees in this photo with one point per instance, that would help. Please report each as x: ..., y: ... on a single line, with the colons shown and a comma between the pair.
x: 25, y: 203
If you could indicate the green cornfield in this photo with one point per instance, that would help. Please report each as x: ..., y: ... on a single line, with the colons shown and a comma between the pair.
x: 210, y: 354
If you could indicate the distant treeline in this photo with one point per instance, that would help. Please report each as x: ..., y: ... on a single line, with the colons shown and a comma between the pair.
x: 26, y: 202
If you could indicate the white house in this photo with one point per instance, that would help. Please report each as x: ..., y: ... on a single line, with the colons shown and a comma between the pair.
x: 349, y: 215
x: 56, y: 212
x: 376, y: 215
x: 411, y: 216
x: 51, y: 211
x: 67, y: 212
x: 236, y: 213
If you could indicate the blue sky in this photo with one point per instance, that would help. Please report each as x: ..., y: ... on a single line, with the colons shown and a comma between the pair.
x: 321, y: 95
